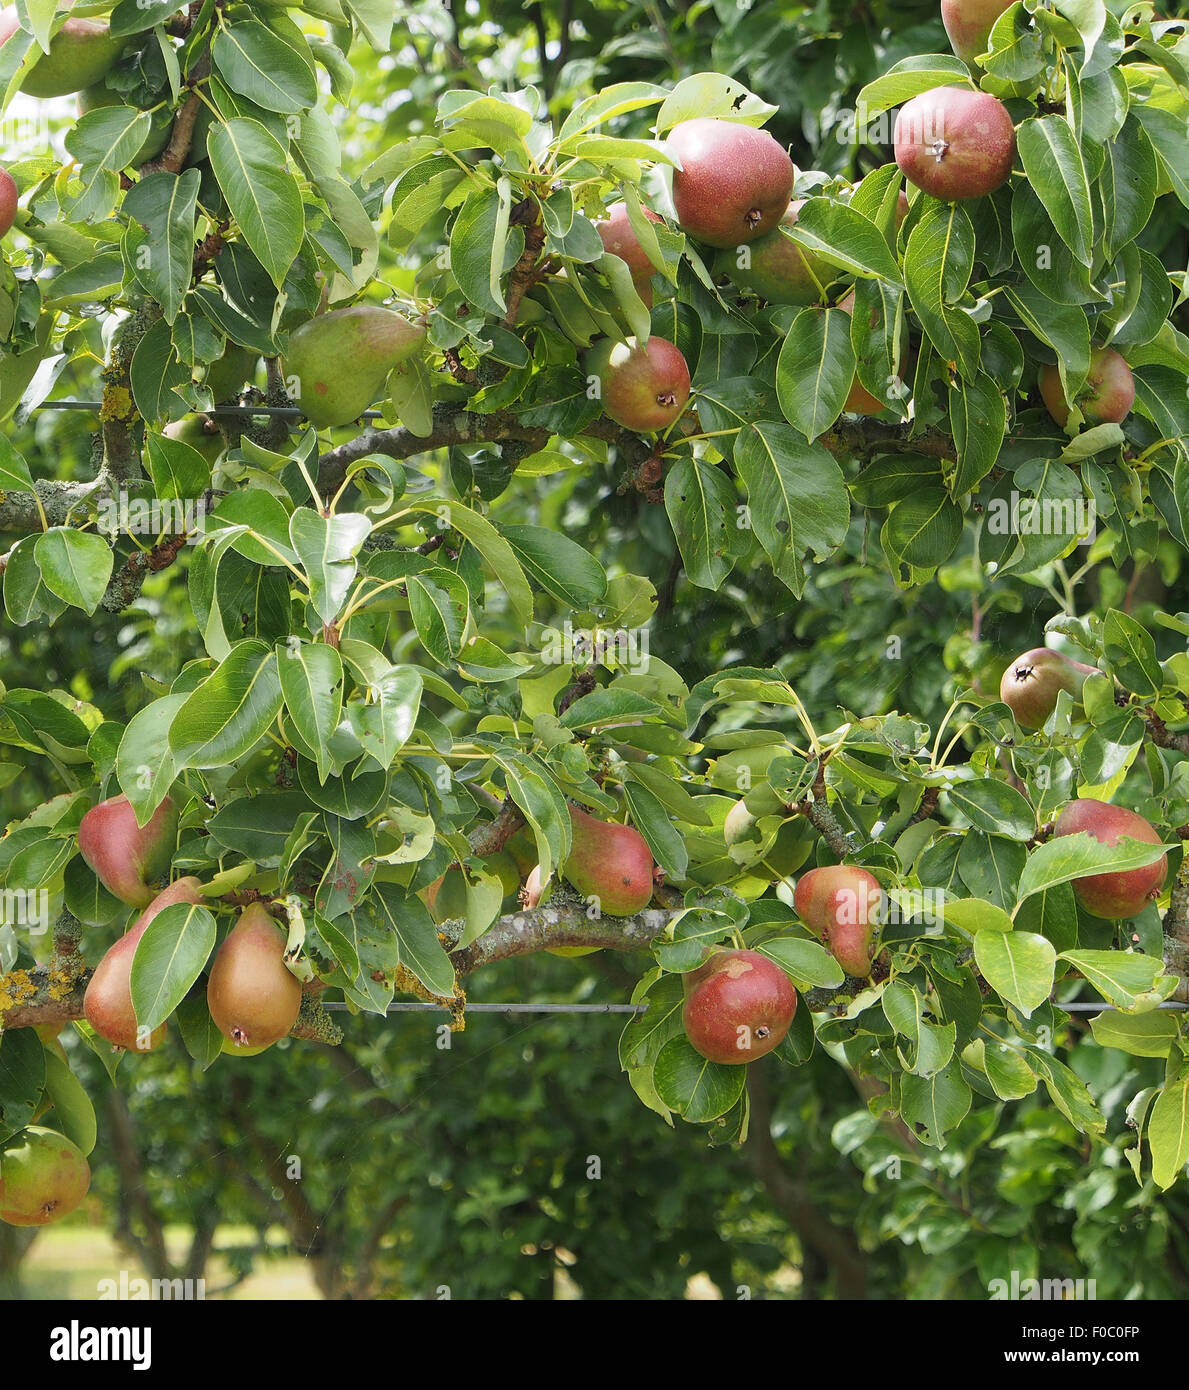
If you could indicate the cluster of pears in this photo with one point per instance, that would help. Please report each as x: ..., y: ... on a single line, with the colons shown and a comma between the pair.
x: 253, y: 997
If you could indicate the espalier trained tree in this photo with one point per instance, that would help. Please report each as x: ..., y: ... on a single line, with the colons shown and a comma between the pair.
x: 379, y: 737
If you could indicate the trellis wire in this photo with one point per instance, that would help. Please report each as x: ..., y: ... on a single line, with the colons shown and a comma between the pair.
x: 288, y: 412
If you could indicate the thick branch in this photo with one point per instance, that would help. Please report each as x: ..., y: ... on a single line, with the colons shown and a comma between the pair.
x: 1176, y: 931
x: 557, y: 923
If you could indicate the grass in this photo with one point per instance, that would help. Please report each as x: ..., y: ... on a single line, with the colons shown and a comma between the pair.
x: 72, y: 1262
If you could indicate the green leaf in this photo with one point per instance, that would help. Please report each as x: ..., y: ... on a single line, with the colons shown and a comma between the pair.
x: 256, y: 63
x: 22, y: 1079
x: 75, y: 565
x: 479, y: 245
x: 226, y: 715
x: 934, y: 1105
x: 1074, y: 856
x: 264, y: 197
x: 558, y: 564
x: 1053, y: 162
x: 1168, y: 1132
x: 327, y: 547
x: 74, y: 1115
x: 815, y: 369
x: 416, y: 935
x: 169, y: 957
x: 938, y: 262
x: 699, y: 1090
x: 909, y: 78
x: 844, y: 237
x: 1131, y: 651
x: 145, y: 766
x: 797, y: 499
x: 384, y: 720
x: 311, y: 675
x: 1142, y: 1035
x: 923, y: 529
x: 1129, y: 980
x: 652, y: 821
x: 712, y: 94
x: 499, y: 554
x: 1019, y: 966
x: 978, y: 415
x: 995, y: 806
x: 700, y: 500
x: 164, y: 205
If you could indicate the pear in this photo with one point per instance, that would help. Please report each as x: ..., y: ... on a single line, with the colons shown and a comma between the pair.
x: 192, y: 430
x: 1127, y: 891
x: 225, y: 378
x: 125, y: 857
x: 642, y: 388
x: 1032, y: 682
x: 968, y: 24
x: 738, y: 1006
x: 1106, y: 398
x: 611, y: 863
x: 734, y: 183
x: 107, y: 1004
x: 160, y: 126
x: 842, y: 906
x: 43, y: 1177
x: 338, y: 362
x: 8, y: 201
x: 955, y: 143
x: 82, y: 53
x: 253, y: 998
x: 620, y: 240
x: 777, y: 269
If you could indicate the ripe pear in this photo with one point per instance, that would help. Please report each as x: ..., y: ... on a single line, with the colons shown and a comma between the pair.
x: 620, y: 240
x: 777, y: 269
x: 968, y: 24
x: 1128, y: 891
x: 43, y: 1177
x: 734, y: 183
x: 107, y: 1003
x: 8, y: 201
x: 1032, y: 682
x: 125, y: 857
x: 253, y: 998
x: 955, y: 143
x: 1106, y: 398
x: 611, y: 863
x: 193, y: 430
x: 738, y: 1006
x: 338, y: 362
x: 842, y: 906
x: 642, y: 388
x: 81, y: 53
x: 160, y: 127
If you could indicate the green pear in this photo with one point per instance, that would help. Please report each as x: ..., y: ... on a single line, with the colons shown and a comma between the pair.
x: 43, y: 1177
x: 338, y: 362
x: 253, y: 998
x: 82, y: 53
x: 1106, y: 398
x: 642, y: 388
x: 734, y: 183
x: 1032, y: 682
x: 777, y: 269
x: 955, y: 143
x: 1124, y: 892
x: 160, y: 120
x: 125, y: 857
x: 107, y: 1004
x: 611, y: 863
x: 225, y: 378
x: 192, y: 430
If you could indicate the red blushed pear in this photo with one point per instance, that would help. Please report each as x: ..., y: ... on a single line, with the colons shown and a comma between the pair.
x: 43, y: 1177
x: 619, y: 238
x: 1127, y: 891
x: 842, y: 906
x: 734, y: 183
x: 955, y: 143
x: 107, y: 1004
x: 125, y: 857
x: 642, y: 388
x: 968, y: 24
x: 1106, y: 398
x: 611, y: 863
x: 253, y: 997
x: 738, y: 1006
x: 8, y: 201
x: 1033, y: 681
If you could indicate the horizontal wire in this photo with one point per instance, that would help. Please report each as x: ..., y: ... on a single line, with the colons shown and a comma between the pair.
x: 409, y: 1007
x: 288, y: 412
